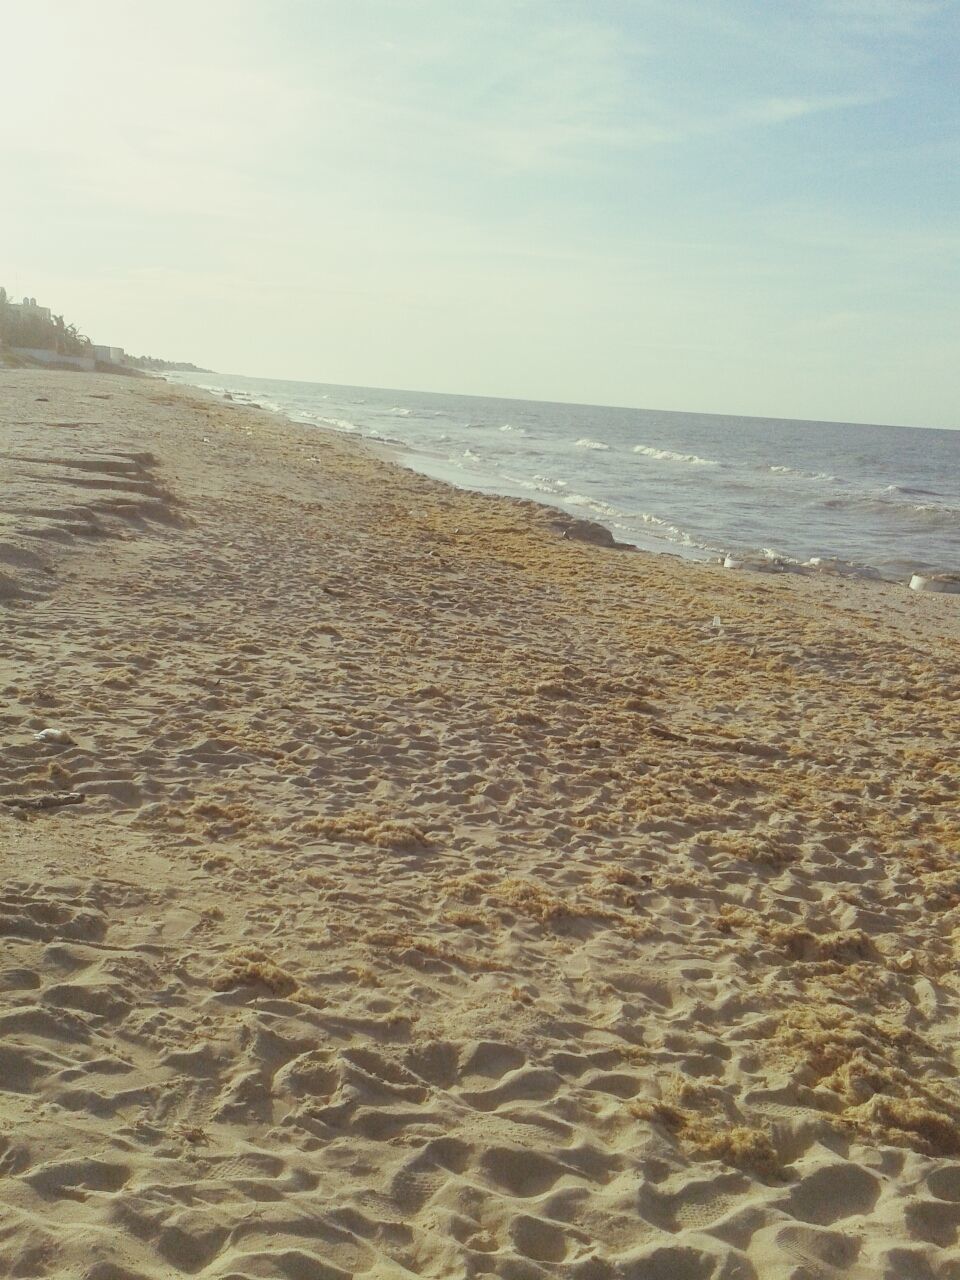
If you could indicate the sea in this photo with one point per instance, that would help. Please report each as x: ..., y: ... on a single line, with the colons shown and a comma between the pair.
x: 857, y: 499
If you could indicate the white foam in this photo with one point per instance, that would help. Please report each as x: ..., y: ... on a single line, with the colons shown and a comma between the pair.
x: 587, y: 443
x: 338, y: 424
x: 805, y: 475
x: 667, y: 455
x: 670, y: 531
x: 539, y: 484
x: 594, y: 504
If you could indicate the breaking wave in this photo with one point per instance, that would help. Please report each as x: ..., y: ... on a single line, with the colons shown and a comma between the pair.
x: 337, y: 424
x: 667, y: 455
x: 805, y: 475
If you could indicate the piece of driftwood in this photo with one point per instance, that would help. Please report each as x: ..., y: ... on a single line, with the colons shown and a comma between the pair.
x: 52, y: 801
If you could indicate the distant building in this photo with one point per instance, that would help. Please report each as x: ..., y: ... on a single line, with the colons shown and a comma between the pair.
x: 29, y: 310
x: 109, y: 355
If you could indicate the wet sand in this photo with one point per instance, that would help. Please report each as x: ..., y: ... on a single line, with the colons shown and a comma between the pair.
x: 443, y: 896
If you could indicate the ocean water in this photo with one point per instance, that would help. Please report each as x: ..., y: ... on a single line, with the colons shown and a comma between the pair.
x: 872, y: 500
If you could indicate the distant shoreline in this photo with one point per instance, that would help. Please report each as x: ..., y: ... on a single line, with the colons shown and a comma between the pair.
x: 771, y: 495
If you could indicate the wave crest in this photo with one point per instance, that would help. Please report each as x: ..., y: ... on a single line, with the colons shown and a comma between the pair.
x: 338, y: 424
x: 668, y: 455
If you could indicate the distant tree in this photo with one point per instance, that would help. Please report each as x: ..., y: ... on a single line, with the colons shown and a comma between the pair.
x: 60, y: 335
x: 76, y: 343
x: 33, y: 331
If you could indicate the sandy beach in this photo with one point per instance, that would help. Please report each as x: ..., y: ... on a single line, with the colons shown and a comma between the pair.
x: 408, y: 887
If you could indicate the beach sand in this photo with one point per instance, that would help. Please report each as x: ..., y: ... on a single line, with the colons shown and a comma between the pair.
x: 449, y: 897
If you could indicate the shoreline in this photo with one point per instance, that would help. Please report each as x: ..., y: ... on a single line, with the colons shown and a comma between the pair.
x: 893, y: 595
x: 448, y: 896
x: 667, y: 530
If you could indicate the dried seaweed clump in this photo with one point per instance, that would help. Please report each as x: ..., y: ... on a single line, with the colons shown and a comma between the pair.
x: 888, y: 1079
x: 221, y: 820
x: 367, y: 828
x: 909, y: 1122
x: 537, y: 902
x: 843, y: 946
x: 251, y: 967
x: 527, y: 898
x: 713, y: 1137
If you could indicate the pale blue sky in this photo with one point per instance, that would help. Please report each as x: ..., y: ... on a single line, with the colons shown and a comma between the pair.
x: 720, y: 205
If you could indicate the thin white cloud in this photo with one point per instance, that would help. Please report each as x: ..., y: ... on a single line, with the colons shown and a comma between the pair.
x: 772, y: 111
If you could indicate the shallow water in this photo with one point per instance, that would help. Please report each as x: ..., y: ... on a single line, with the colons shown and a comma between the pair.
x: 877, y: 499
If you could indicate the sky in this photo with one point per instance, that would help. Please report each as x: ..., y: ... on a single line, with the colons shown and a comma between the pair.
x: 729, y: 206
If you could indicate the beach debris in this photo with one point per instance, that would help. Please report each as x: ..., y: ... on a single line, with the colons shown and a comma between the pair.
x: 58, y: 736
x: 584, y: 531
x: 588, y: 531
x: 194, y: 1134
x: 769, y: 562
x: 660, y: 731
x: 55, y: 800
x: 945, y: 583
x: 716, y: 623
